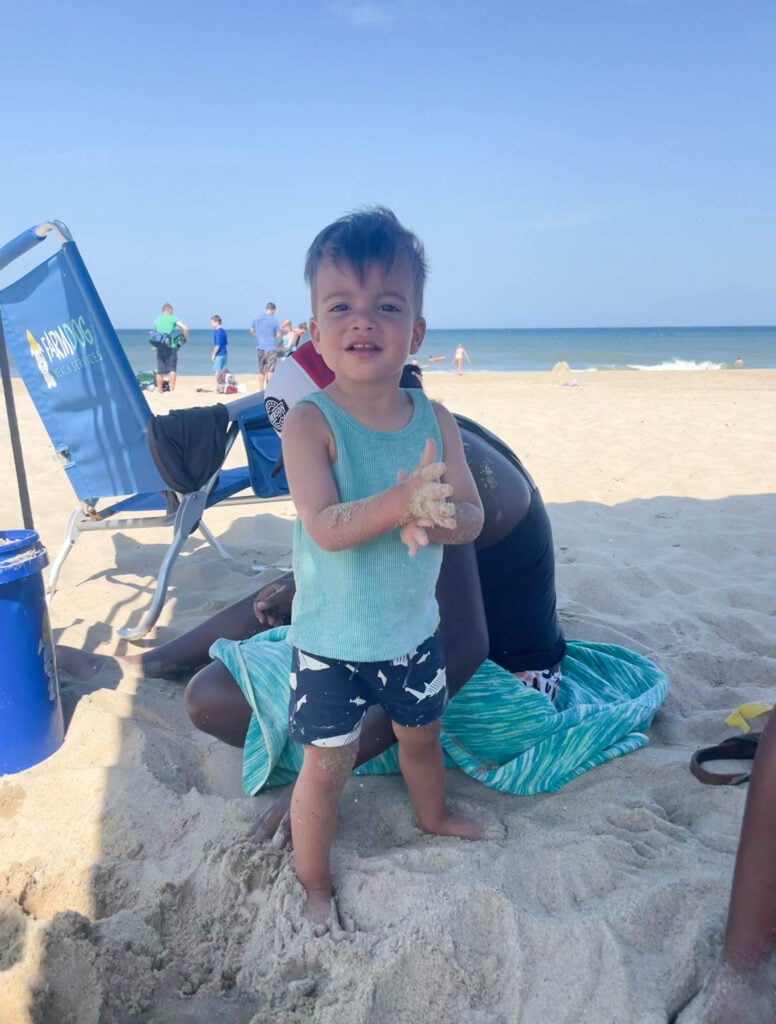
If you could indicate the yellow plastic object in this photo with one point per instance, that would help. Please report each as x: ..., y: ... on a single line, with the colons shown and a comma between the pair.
x: 746, y: 713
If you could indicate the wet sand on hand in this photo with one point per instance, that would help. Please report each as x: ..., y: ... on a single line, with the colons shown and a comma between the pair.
x: 128, y: 891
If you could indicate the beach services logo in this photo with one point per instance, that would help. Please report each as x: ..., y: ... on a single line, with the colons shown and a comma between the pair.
x: 67, y: 348
x: 40, y: 359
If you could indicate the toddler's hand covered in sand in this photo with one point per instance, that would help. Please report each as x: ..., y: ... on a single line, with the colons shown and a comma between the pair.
x: 429, y: 500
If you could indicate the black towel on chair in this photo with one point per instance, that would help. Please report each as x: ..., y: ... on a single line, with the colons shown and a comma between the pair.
x: 189, y: 445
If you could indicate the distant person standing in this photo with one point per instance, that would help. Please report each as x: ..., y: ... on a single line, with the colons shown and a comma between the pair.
x: 740, y: 363
x: 220, y: 345
x: 172, y: 330
x: 458, y: 358
x: 267, y: 331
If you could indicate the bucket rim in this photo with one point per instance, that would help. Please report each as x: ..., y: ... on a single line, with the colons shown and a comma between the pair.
x: 17, y: 541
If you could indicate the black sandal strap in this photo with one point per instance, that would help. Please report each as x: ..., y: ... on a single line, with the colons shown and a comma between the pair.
x: 735, y: 748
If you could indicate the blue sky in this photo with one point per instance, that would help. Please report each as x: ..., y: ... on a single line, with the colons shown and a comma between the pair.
x: 566, y: 162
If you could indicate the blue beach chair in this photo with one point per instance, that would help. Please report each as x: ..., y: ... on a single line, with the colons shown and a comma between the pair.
x: 97, y: 417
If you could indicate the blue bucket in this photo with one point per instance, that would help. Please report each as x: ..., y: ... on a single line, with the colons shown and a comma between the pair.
x: 31, y: 724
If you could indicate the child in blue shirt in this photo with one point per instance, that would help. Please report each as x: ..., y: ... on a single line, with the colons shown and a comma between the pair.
x: 375, y: 504
x: 220, y: 343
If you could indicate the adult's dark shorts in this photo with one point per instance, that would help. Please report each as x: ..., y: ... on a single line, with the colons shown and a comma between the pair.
x: 166, y: 359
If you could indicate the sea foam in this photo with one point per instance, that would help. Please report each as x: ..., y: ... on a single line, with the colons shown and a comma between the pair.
x: 679, y: 364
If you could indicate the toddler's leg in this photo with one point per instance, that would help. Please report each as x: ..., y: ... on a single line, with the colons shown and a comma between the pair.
x: 422, y: 765
x: 314, y: 818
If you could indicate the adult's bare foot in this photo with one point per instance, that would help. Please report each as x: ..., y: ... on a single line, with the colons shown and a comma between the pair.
x: 82, y: 665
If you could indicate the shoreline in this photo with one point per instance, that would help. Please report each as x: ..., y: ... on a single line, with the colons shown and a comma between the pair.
x: 449, y: 370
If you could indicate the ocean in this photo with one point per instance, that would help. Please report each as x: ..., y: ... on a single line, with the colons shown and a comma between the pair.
x: 585, y: 349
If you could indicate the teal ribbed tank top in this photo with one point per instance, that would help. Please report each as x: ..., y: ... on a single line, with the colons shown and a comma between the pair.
x: 372, y: 602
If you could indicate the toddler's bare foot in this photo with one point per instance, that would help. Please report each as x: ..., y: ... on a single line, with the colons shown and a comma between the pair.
x: 734, y: 997
x: 452, y: 826
x: 321, y: 911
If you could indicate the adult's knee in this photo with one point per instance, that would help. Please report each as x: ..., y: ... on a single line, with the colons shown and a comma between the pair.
x: 216, y: 704
x: 199, y: 700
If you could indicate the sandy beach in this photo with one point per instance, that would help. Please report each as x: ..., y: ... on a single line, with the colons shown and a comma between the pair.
x: 128, y: 891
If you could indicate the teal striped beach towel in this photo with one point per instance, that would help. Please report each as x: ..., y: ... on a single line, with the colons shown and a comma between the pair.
x: 496, y: 730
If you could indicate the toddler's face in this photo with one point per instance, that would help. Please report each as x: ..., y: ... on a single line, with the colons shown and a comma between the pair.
x: 366, y: 329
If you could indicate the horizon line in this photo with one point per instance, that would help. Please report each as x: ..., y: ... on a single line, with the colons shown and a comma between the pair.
x: 578, y: 327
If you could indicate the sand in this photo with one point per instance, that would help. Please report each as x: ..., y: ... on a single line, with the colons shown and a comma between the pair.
x: 129, y: 892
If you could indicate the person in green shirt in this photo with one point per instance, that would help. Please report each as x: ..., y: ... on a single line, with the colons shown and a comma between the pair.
x: 167, y: 323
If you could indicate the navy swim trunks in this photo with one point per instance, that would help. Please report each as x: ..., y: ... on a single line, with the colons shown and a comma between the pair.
x: 166, y: 359
x: 329, y: 698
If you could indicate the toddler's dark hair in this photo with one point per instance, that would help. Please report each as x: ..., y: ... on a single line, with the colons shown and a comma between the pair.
x: 372, y: 235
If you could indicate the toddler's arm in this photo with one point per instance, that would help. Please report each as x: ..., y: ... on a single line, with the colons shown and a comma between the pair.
x: 308, y: 452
